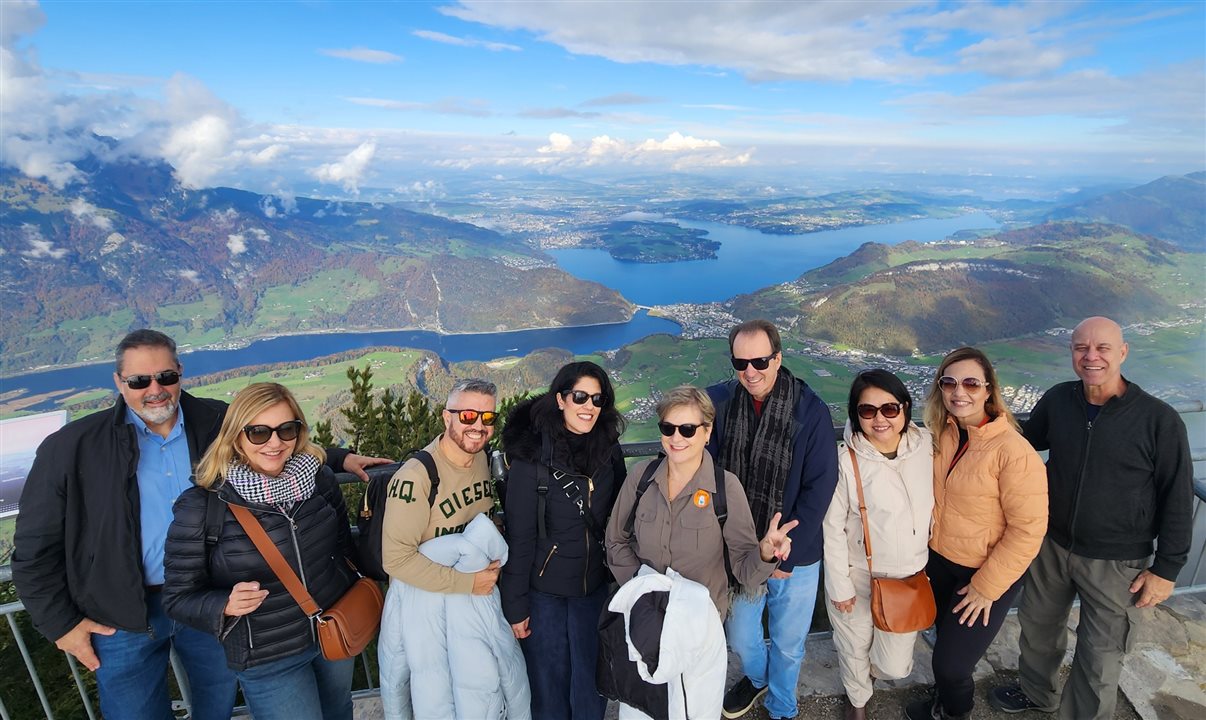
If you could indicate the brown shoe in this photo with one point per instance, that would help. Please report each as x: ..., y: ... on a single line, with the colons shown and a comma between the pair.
x: 849, y: 712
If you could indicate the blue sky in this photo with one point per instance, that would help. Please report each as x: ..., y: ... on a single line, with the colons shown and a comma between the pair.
x: 277, y: 95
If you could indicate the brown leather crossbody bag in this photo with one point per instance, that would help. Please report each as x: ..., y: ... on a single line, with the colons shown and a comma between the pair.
x: 346, y: 627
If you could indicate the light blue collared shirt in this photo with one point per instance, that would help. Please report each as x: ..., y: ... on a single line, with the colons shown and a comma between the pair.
x: 164, y: 471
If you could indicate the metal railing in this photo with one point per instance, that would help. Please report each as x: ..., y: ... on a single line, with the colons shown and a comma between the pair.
x: 641, y: 449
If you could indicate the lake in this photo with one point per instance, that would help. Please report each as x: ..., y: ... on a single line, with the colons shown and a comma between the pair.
x: 747, y: 259
x: 296, y: 348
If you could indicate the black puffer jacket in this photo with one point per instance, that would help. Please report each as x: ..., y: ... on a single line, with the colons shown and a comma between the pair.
x: 564, y: 563
x: 198, y: 579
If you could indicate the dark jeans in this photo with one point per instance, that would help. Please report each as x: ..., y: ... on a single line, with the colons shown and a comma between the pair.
x: 561, y: 654
x: 959, y: 647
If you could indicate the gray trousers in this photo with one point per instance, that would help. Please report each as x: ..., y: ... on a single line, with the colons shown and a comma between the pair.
x: 1107, y: 611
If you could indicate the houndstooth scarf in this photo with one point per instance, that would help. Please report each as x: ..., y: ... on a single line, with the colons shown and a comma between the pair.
x: 294, y: 484
x: 758, y: 449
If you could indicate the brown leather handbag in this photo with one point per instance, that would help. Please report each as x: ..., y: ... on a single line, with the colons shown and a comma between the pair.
x: 898, y: 605
x: 346, y: 627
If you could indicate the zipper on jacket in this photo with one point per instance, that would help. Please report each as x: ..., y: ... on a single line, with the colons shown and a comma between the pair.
x: 1080, y: 483
x: 546, y: 560
x: 590, y: 488
x: 250, y: 639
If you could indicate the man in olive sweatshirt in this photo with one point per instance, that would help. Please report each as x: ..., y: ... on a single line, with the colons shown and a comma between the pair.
x: 1120, y: 484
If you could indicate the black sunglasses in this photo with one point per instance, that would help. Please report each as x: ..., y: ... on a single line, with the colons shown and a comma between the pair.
x: 142, y: 382
x: 468, y: 417
x: 970, y: 384
x: 759, y: 363
x: 260, y: 434
x: 687, y: 430
x: 889, y: 410
x: 581, y: 396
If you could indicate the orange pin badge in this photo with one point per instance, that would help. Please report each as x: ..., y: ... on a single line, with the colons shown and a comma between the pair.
x: 701, y: 498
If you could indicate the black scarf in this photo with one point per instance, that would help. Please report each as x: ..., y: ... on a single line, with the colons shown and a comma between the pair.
x: 758, y: 449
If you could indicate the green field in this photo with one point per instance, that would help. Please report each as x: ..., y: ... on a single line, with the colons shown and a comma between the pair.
x: 330, y: 292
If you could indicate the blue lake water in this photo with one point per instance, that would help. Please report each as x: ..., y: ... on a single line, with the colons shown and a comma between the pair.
x: 295, y: 348
x: 747, y: 259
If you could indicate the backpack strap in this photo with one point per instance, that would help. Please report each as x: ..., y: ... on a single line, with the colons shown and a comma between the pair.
x: 542, y: 485
x: 642, y: 486
x: 720, y: 503
x: 432, y: 473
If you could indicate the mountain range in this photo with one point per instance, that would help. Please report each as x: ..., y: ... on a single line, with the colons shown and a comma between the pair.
x: 132, y: 247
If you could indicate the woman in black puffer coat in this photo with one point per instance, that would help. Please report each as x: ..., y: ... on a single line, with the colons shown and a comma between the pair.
x: 555, y: 582
x: 263, y: 460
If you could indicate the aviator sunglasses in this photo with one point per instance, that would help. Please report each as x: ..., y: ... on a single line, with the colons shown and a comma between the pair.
x: 468, y: 417
x: 759, y: 363
x: 581, y: 396
x: 142, y: 382
x: 687, y: 430
x: 889, y: 410
x: 970, y: 384
x: 260, y: 434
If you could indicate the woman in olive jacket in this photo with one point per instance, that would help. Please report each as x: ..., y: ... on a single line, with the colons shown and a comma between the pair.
x: 263, y: 460
x: 565, y: 467
x: 990, y: 515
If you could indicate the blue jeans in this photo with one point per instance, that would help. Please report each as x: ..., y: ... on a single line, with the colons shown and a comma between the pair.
x: 789, y: 603
x: 132, y: 677
x: 561, y: 654
x: 305, y: 686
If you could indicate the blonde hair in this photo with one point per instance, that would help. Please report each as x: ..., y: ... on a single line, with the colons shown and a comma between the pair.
x: 687, y: 395
x: 249, y: 402
x: 994, y: 406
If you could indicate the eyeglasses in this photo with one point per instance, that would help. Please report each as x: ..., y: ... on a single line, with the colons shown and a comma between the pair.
x: 687, y: 430
x: 970, y: 384
x: 260, y: 434
x: 888, y: 410
x: 581, y: 396
x: 468, y: 417
x: 142, y: 382
x: 759, y: 363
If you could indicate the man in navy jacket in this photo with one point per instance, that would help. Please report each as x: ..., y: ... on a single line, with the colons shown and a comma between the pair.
x: 776, y: 435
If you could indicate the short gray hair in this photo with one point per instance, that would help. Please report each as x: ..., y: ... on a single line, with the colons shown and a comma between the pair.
x: 145, y: 338
x: 473, y: 385
x: 685, y: 396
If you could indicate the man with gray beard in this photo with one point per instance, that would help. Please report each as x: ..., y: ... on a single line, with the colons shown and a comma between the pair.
x: 88, y: 556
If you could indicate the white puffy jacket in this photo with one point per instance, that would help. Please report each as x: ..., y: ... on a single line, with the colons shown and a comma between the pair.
x: 448, y: 655
x: 900, y: 498
x: 692, y: 655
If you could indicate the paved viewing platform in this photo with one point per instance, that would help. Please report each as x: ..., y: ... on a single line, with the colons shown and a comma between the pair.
x: 1163, y: 678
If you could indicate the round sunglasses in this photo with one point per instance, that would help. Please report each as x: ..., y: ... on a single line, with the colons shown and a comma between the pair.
x: 687, y: 430
x: 970, y: 384
x: 581, y: 396
x: 888, y: 410
x: 468, y: 417
x: 142, y: 382
x: 260, y: 434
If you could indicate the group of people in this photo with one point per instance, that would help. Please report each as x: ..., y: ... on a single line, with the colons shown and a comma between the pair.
x: 126, y: 546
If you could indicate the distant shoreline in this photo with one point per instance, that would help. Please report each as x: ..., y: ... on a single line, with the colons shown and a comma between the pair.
x: 243, y: 343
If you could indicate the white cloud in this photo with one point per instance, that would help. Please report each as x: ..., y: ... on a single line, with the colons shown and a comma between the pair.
x: 259, y: 234
x: 624, y: 98
x: 236, y: 243
x: 422, y: 190
x: 558, y: 143
x: 348, y: 171
x: 363, y: 54
x: 39, y: 246
x: 464, y: 42
x: 112, y: 243
x: 267, y: 155
x: 191, y: 275
x: 88, y: 212
x: 677, y: 142
x: 444, y: 106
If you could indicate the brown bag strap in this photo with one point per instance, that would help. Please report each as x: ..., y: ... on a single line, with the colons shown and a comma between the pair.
x: 862, y: 506
x: 275, y: 560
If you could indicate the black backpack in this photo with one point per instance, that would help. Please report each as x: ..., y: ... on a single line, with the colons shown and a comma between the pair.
x: 372, y: 513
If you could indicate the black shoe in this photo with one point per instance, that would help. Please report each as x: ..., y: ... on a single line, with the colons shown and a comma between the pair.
x: 741, y: 697
x: 926, y: 709
x: 1010, y: 699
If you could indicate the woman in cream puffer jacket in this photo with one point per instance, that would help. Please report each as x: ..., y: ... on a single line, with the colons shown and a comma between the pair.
x: 895, y: 461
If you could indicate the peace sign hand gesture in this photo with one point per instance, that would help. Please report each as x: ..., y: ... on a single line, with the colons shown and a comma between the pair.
x: 776, y: 545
